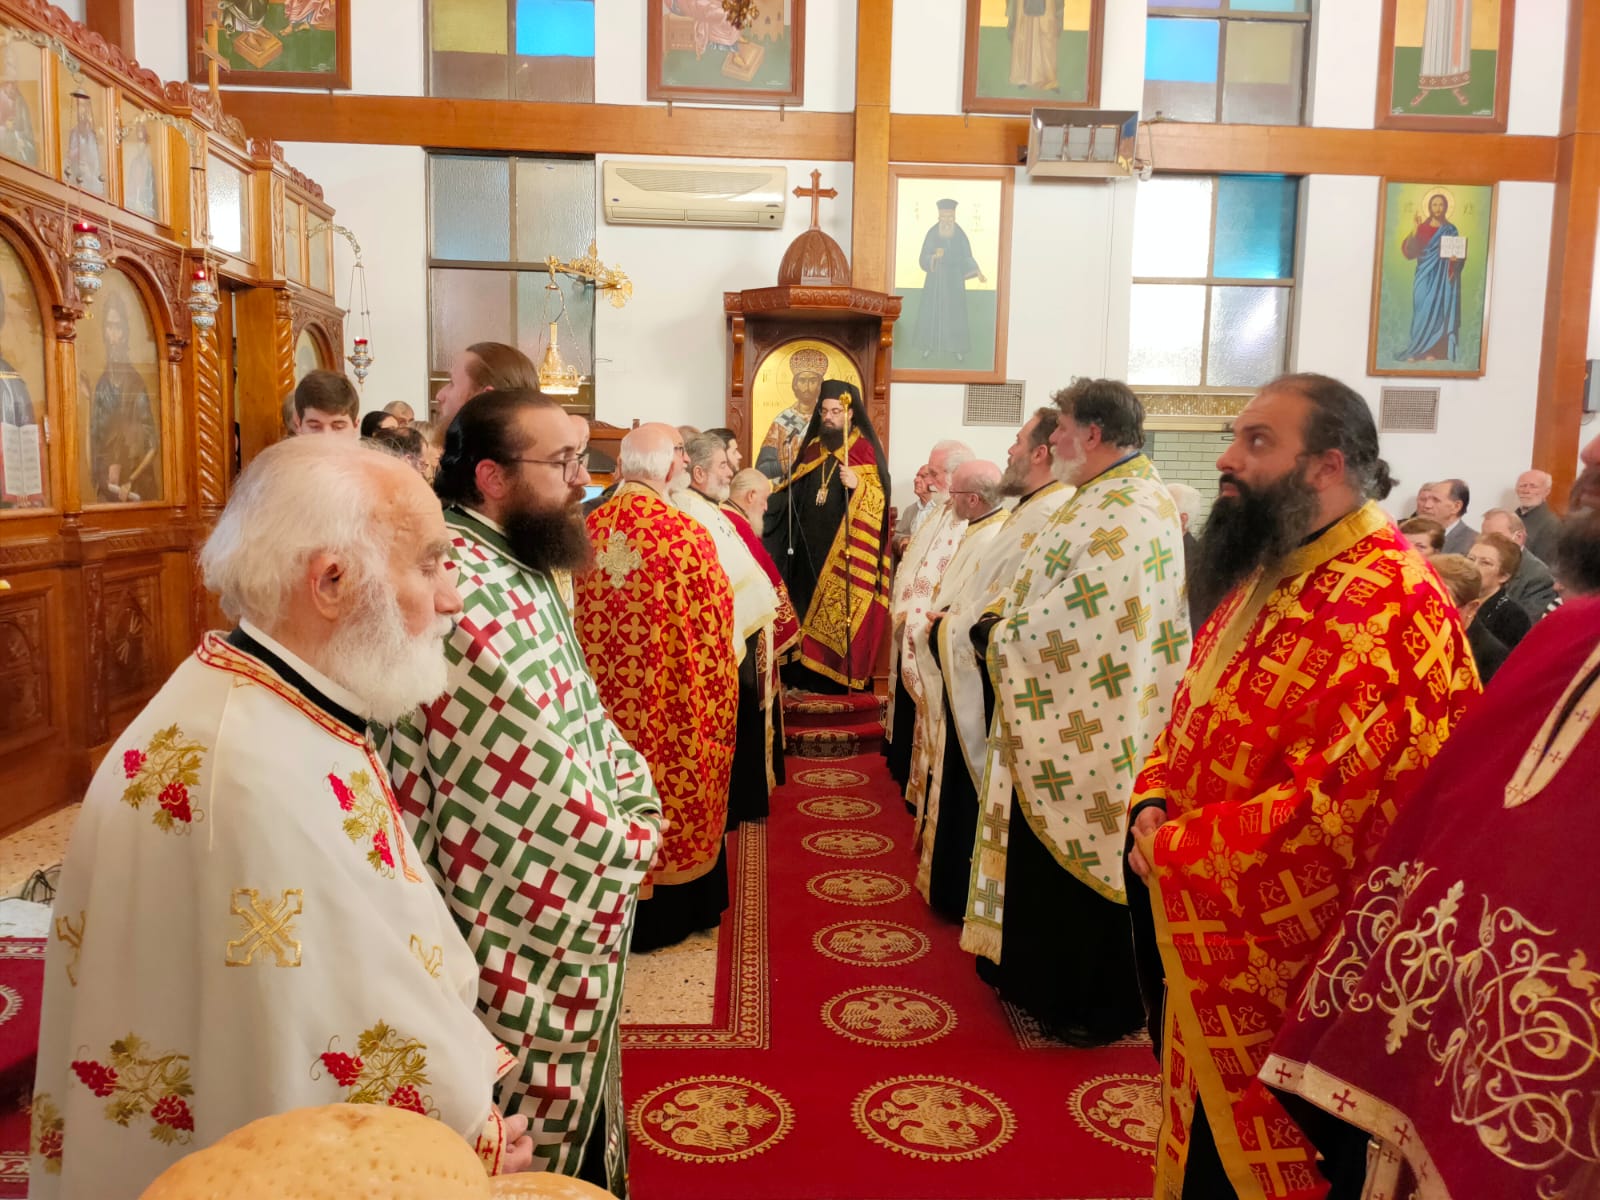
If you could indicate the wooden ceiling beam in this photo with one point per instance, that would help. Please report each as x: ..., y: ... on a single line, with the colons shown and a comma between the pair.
x: 1276, y: 149
x: 869, y: 212
x: 1574, y: 228
x: 509, y: 125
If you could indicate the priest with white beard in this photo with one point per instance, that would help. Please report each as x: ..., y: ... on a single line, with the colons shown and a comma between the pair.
x: 700, y: 492
x: 956, y: 769
x: 925, y: 559
x: 975, y: 499
x: 243, y: 927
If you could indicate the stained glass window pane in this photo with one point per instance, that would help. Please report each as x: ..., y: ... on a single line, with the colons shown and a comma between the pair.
x: 1256, y: 216
x: 1181, y: 50
x: 1165, y: 331
x: 227, y: 207
x: 537, y: 306
x: 1249, y: 335
x: 1172, y: 227
x: 555, y: 28
x: 555, y: 207
x: 1263, y: 74
x: 469, y: 200
x: 470, y: 26
x: 469, y: 48
x: 466, y: 307
x: 1281, y: 6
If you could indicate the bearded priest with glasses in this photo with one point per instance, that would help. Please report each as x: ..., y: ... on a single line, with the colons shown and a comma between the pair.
x: 533, y: 815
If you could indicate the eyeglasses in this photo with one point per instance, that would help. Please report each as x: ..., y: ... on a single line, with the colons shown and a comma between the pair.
x: 571, y: 468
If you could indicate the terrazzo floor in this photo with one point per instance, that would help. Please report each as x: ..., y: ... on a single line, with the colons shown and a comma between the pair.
x: 676, y: 985
x: 34, y: 847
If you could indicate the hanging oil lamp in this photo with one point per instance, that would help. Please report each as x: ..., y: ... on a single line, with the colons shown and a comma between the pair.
x: 202, y: 302
x: 360, y: 360
x: 87, y: 260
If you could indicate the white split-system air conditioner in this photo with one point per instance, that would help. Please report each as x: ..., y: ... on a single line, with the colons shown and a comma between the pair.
x: 645, y: 193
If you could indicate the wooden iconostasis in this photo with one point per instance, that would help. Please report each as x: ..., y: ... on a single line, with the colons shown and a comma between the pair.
x: 122, y: 426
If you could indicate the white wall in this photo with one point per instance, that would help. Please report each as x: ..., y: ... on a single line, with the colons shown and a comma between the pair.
x: 663, y: 354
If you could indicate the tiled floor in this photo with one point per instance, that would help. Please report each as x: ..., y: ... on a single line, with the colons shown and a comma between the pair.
x: 676, y: 985
x: 34, y: 848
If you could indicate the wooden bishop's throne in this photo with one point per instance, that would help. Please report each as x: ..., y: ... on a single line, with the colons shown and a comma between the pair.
x: 813, y: 312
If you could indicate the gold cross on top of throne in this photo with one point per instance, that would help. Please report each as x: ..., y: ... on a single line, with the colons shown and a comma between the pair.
x: 818, y: 194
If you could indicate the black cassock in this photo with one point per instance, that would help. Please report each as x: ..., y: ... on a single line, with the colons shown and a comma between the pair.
x: 798, y: 533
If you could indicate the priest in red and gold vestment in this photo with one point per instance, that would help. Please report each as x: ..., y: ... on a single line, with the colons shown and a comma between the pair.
x: 827, y: 527
x: 1318, y: 691
x: 655, y: 617
x: 1455, y: 1014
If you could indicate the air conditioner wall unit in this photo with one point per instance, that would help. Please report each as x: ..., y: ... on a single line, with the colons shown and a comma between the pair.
x: 738, y: 197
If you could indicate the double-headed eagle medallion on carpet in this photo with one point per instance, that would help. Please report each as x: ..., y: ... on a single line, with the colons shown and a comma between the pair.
x: 934, y: 1117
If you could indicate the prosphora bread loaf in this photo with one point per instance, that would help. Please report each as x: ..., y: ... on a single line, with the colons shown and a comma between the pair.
x: 337, y: 1152
x: 542, y: 1185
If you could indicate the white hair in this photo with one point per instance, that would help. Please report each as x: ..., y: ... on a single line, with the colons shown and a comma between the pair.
x: 955, y: 453
x: 645, y: 454
x: 747, y: 479
x: 300, y: 497
x: 1186, y: 498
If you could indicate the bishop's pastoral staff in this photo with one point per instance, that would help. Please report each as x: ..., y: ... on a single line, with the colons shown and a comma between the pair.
x: 1321, y: 687
x: 1085, y: 654
x: 827, y: 527
x: 243, y: 927
x: 531, y: 812
x: 655, y: 616
x: 950, y: 822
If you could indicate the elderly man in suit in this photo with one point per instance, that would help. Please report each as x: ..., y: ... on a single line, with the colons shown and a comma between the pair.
x: 1446, y: 502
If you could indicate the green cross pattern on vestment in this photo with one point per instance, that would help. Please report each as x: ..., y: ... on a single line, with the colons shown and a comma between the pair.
x: 1106, y: 813
x: 1137, y: 620
x: 1128, y: 760
x: 1108, y: 542
x: 1171, y: 642
x: 1159, y: 560
x: 1121, y: 497
x: 1077, y: 856
x: 1058, y: 560
x: 1081, y: 731
x: 1058, y: 651
x: 1086, y: 597
x: 1034, y: 699
x: 1111, y: 676
x: 1053, y: 780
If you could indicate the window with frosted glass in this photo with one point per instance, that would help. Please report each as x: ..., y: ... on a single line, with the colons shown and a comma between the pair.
x: 1213, y: 281
x: 511, y: 49
x: 1240, y: 62
x: 492, y: 222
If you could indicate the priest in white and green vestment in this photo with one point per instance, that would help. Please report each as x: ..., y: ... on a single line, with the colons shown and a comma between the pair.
x: 755, y: 615
x: 532, y: 814
x: 1085, y: 655
x: 925, y: 558
x: 242, y: 926
x: 956, y: 768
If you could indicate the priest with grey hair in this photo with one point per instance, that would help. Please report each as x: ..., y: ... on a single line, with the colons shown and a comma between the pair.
x: 243, y: 927
x: 755, y: 613
x: 925, y: 559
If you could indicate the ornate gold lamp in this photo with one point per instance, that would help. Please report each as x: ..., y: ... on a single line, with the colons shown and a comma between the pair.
x: 557, y: 377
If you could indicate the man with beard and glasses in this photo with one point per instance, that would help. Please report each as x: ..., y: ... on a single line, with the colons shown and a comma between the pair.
x: 655, y: 616
x: 1451, y: 1015
x: 755, y: 618
x: 968, y: 702
x: 827, y: 528
x: 1331, y: 671
x: 1084, y: 651
x: 926, y: 557
x: 242, y: 927
x: 531, y: 812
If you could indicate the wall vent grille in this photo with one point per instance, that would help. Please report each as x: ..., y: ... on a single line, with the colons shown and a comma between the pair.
x: 994, y: 403
x: 1409, y: 409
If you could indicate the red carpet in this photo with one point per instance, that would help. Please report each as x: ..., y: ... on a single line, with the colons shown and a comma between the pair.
x: 889, y: 1071
x: 21, y: 989
x: 819, y: 726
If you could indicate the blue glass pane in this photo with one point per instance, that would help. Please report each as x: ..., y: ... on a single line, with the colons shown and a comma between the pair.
x: 1255, y: 227
x: 1181, y: 50
x: 1288, y: 6
x: 555, y: 28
